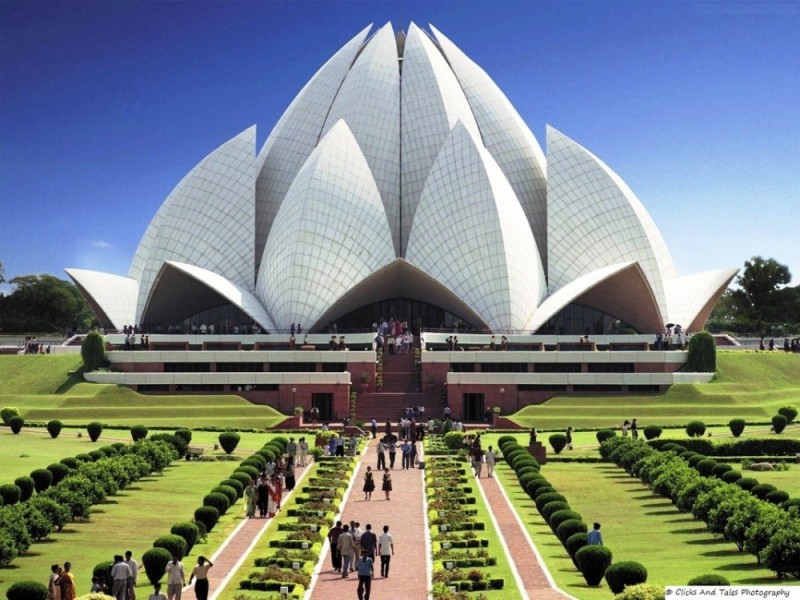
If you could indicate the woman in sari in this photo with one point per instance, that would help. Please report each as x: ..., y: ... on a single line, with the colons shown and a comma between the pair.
x: 272, y: 499
x: 53, y: 589
x: 250, y: 494
x: 66, y: 582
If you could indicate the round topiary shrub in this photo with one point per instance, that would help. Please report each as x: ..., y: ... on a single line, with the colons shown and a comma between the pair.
x: 558, y: 441
x: 696, y: 458
x: 174, y: 544
x: 94, y: 429
x: 207, y: 515
x: 528, y: 470
x: 229, y: 440
x: 453, y: 439
x: 96, y: 455
x: 720, y: 469
x: 58, y: 472
x: 70, y: 462
x: 7, y: 412
x: 605, y: 434
x: 54, y: 428
x: 731, y: 476
x: 532, y: 486
x: 251, y: 472
x: 792, y: 502
x: 527, y: 478
x: 525, y: 460
x: 777, y: 497
x: 544, y: 490
x: 109, y: 451
x: 672, y: 447
x: 546, y: 498
x: 736, y: 426
x: 569, y: 528
x: 218, y: 501
x: 186, y: 434
x: 155, y: 563
x: 26, y: 590
x: 42, y: 478
x: 26, y: 487
x: 706, y: 466
x: 188, y: 531
x: 138, y: 432
x: 552, y: 507
x: 511, y: 455
x: 778, y: 423
x: 560, y: 516
x: 790, y: 412
x: 747, y: 483
x: 228, y: 492
x: 695, y: 428
x: 10, y: 493
x: 241, y: 477
x: 16, y: 422
x: 622, y: 574
x: 593, y: 562
x: 235, y: 484
x: 761, y: 490
x: 93, y: 350
x: 710, y: 579
x: 268, y: 453
x: 574, y: 543
x: 652, y: 432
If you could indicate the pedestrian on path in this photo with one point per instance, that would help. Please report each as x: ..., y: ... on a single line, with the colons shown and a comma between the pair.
x: 490, y: 460
x: 302, y: 452
x: 250, y: 494
x: 374, y: 427
x: 387, y: 483
x: 369, y: 542
x: 369, y: 484
x: 200, y: 572
x: 333, y: 540
x: 134, y: 567
x: 386, y: 548
x: 392, y: 450
x: 364, y: 576
x: 119, y: 577
x: 347, y: 548
x: 594, y: 538
x: 176, y: 578
x: 381, y: 455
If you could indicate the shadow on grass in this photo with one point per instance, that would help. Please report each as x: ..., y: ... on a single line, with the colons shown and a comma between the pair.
x: 727, y: 553
x: 9, y: 567
x: 680, y: 520
x: 75, y: 378
x: 706, y: 542
x: 661, y: 513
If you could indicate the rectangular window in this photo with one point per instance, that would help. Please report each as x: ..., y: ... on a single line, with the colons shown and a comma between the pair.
x: 504, y: 367
x: 541, y: 387
x: 610, y: 367
x: 557, y: 368
x: 240, y: 367
x: 187, y: 367
x: 597, y: 388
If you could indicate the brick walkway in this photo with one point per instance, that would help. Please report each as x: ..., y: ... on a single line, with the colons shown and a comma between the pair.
x: 524, y: 560
x: 238, y: 545
x: 405, y: 516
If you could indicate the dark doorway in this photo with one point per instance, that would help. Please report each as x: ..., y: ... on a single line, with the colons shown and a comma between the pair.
x: 473, y: 407
x: 324, y: 404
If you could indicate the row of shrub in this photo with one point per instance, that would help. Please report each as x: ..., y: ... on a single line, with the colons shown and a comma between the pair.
x: 300, y: 542
x: 745, y: 447
x: 185, y: 534
x: 768, y: 531
x: 594, y: 562
x: 50, y: 498
x: 460, y: 558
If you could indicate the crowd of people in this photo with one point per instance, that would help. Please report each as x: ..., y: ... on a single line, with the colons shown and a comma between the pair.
x: 356, y: 551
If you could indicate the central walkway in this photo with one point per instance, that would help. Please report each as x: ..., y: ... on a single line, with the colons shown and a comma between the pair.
x: 405, y: 516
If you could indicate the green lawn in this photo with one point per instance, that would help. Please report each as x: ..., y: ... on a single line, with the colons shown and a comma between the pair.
x: 131, y: 520
x: 749, y: 385
x: 636, y: 525
x: 50, y: 387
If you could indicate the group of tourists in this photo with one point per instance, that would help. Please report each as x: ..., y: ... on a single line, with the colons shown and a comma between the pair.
x: 478, y: 457
x: 33, y: 346
x: 354, y: 550
x: 120, y: 581
x: 632, y: 426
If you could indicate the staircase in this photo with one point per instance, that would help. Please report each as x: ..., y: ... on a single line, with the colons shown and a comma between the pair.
x: 398, y: 392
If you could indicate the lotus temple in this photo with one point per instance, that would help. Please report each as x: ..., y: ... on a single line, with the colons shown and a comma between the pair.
x: 401, y: 183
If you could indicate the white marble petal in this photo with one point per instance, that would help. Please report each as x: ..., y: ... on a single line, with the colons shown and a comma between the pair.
x: 692, y: 297
x: 207, y: 220
x: 471, y: 234
x: 506, y: 137
x: 112, y: 297
x: 296, y: 135
x: 595, y: 220
x: 330, y: 233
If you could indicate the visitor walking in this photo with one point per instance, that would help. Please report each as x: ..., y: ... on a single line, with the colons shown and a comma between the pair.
x: 387, y: 483
x: 386, y: 549
x: 490, y: 457
x: 346, y: 547
x: 200, y: 573
x: 176, y: 578
x: 594, y: 538
x: 369, y: 484
x: 364, y: 576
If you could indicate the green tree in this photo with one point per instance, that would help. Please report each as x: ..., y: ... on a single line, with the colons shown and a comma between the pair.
x: 759, y: 283
x: 93, y: 350
x: 44, y: 303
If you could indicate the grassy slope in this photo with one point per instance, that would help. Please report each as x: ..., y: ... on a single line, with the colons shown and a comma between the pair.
x: 49, y: 387
x: 749, y: 385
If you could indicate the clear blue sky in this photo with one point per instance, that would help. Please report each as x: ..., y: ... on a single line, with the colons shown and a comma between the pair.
x: 105, y: 106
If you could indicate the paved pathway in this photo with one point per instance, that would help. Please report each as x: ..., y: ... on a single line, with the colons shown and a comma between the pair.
x: 525, y: 560
x: 237, y: 547
x: 405, y: 516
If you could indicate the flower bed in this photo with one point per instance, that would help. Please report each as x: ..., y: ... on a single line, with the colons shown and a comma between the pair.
x: 455, y: 546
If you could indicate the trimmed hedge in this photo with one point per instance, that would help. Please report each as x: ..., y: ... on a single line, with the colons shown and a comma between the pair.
x: 54, y: 428
x: 94, y: 429
x: 779, y: 423
x: 16, y: 422
x: 229, y: 440
x: 695, y: 428
x: 27, y: 590
x: 174, y: 544
x: 569, y: 528
x: 155, y: 563
x: 138, y: 432
x: 42, y: 479
x: 623, y: 574
x: 208, y: 516
x: 593, y: 562
x: 710, y: 579
x: 188, y: 531
x: 26, y: 486
x: 736, y: 426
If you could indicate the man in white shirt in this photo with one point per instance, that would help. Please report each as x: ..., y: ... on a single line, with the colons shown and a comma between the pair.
x: 134, y: 567
x: 491, y: 458
x: 176, y: 578
x: 119, y: 578
x: 386, y: 549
